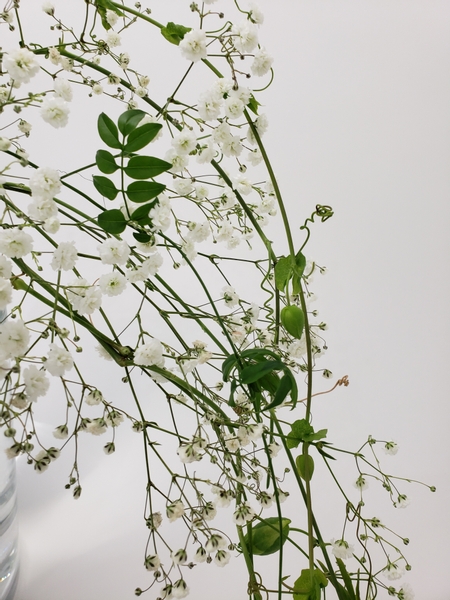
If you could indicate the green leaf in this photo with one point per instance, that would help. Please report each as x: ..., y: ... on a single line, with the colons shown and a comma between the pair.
x: 105, y: 187
x: 267, y: 537
x: 300, y: 429
x: 102, y: 7
x: 254, y: 372
x: 318, y: 435
x: 141, y: 136
x: 108, y: 132
x: 112, y: 221
x: 141, y: 191
x: 142, y: 237
x: 129, y: 120
x: 293, y: 320
x: 305, y: 466
x: 146, y: 167
x: 283, y: 390
x: 299, y: 268
x: 140, y: 215
x: 283, y: 272
x: 309, y: 584
x: 253, y: 105
x: 174, y: 33
x: 346, y: 578
x: 106, y: 162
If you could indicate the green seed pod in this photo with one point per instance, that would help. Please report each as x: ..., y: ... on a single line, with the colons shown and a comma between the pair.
x: 293, y: 320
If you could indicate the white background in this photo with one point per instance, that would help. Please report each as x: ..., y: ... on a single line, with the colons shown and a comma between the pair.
x: 359, y: 120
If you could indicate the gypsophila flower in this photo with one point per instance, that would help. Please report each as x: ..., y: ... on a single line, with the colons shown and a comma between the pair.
x: 149, y: 354
x: 63, y: 89
x: 243, y: 514
x: 361, y: 483
x: 64, y: 257
x: 66, y: 63
x: 114, y: 418
x: 54, y: 56
x: 201, y: 555
x: 262, y: 63
x: 14, y: 339
x: 55, y: 111
x: 152, y: 562
x: 61, y: 432
x: 5, y: 144
x: 342, y: 549
x: 111, y: 17
x: 5, y: 267
x: 36, y: 382
x: 230, y: 296
x: 19, y: 401
x: 97, y: 89
x: 179, y: 557
x: 112, y: 284
x: 113, y: 39
x: 48, y: 8
x: 180, y: 589
x: 97, y: 426
x: 45, y: 183
x: 59, y: 360
x: 114, y: 252
x: 402, y: 501
x: 175, y: 510
x: 245, y: 36
x: 405, y: 592
x: 94, y: 398
x: 5, y: 292
x: 393, y: 571
x: 193, y: 45
x: 15, y: 243
x: 184, y: 142
x: 264, y: 499
x: 390, y: 448
x: 21, y: 65
x: 222, y: 558
x: 215, y: 542
x: 154, y: 521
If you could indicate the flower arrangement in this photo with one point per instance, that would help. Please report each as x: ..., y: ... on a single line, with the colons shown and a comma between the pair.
x: 153, y: 255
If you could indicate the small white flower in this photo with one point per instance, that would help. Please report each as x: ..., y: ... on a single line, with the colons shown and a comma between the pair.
x: 342, y: 549
x: 14, y: 339
x: 113, y: 39
x: 45, y: 183
x: 54, y: 56
x: 199, y: 232
x: 36, y: 382
x: 48, y: 8
x: 179, y: 557
x: 209, y: 105
x: 112, y: 284
x: 152, y: 562
x: 97, y: 89
x: 193, y: 45
x: 5, y: 267
x: 59, y: 360
x: 230, y: 296
x: 63, y: 89
x: 61, y: 432
x: 15, y: 243
x: 97, y: 426
x: 234, y: 107
x: 114, y: 252
x: 361, y: 483
x: 24, y: 127
x: 245, y: 36
x: 5, y: 292
x: 55, y: 111
x: 5, y: 144
x: 21, y: 65
x: 52, y: 225
x: 201, y: 555
x: 243, y: 185
x: 390, y: 448
x: 175, y: 510
x: 112, y: 17
x: 66, y: 63
x: 222, y: 558
x: 215, y: 542
x: 243, y: 514
x: 262, y: 63
x: 255, y: 15
x: 94, y: 398
x: 265, y: 500
x: 184, y: 142
x: 402, y: 501
x: 64, y: 257
x: 393, y: 571
x: 232, y: 442
x: 405, y: 592
x: 150, y: 353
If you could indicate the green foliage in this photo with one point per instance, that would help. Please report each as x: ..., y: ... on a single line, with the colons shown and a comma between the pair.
x: 253, y: 104
x: 105, y: 187
x: 287, y: 268
x: 129, y: 120
x: 293, y: 320
x: 302, y: 431
x: 112, y: 221
x: 108, y: 131
x: 102, y: 7
x: 305, y: 466
x: 267, y: 537
x: 141, y: 136
x: 174, y: 33
x: 106, y: 162
x: 309, y: 585
x: 146, y: 167
x: 141, y: 191
x: 140, y: 215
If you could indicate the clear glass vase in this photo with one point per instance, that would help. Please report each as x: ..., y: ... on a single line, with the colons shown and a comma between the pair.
x: 9, y: 559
